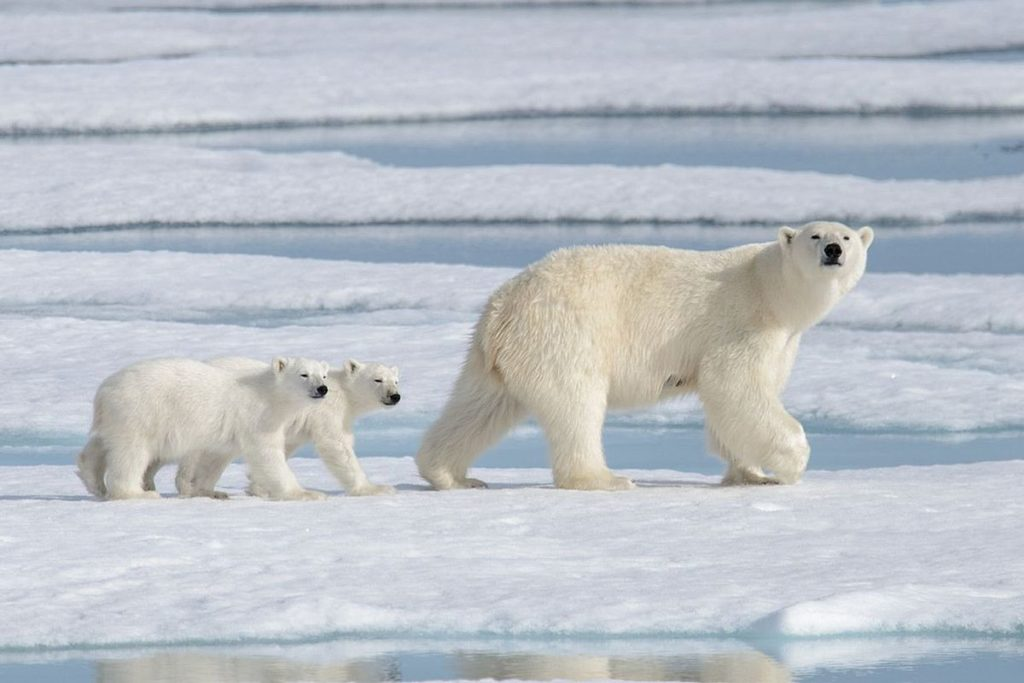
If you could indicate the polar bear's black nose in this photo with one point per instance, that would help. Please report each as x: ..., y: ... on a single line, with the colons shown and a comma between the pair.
x: 395, y: 398
x: 833, y: 250
x: 322, y: 390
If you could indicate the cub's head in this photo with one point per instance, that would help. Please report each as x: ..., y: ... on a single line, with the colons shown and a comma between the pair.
x: 827, y: 250
x: 302, y: 374
x: 369, y: 385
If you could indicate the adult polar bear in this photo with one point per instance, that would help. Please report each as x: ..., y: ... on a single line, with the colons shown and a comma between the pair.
x: 592, y: 328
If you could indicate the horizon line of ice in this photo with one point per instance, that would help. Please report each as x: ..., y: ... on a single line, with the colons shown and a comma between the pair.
x: 16, y: 131
x: 759, y: 631
x: 909, y: 550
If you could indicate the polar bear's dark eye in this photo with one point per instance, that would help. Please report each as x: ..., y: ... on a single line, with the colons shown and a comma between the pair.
x: 304, y: 375
x: 846, y: 237
x: 378, y: 381
x: 815, y: 237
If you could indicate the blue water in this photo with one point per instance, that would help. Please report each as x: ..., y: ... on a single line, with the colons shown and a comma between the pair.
x: 882, y: 147
x: 883, y: 660
x: 626, y: 447
x: 967, y: 248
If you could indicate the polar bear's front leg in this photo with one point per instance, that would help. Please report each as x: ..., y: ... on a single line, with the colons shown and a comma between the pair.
x: 749, y: 424
x: 127, y: 462
x: 270, y: 475
x: 336, y: 451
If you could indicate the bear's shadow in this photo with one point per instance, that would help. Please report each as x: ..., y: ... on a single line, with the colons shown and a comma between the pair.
x: 640, y: 483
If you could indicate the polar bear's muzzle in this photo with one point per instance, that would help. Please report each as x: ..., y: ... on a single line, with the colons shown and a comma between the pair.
x: 392, y: 399
x: 832, y: 255
x: 319, y: 392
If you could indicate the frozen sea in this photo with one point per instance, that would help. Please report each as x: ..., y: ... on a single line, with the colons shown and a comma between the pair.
x: 350, y: 179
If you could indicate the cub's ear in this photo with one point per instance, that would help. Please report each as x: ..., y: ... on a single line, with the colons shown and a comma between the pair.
x: 867, y: 236
x: 352, y: 366
x: 279, y: 364
x: 786, y: 235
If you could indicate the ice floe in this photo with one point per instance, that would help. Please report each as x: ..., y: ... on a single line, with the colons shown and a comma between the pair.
x: 899, y: 551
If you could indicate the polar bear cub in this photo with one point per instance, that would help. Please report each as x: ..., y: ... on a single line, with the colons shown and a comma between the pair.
x: 353, y: 390
x: 589, y: 329
x: 160, y: 411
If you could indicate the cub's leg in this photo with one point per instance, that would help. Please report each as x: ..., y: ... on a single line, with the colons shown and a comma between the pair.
x: 127, y: 462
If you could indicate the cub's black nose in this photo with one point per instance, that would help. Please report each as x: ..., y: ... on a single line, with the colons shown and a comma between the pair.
x: 322, y: 390
x: 395, y: 398
x: 833, y: 250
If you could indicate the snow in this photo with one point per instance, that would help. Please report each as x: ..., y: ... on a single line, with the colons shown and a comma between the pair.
x: 152, y: 71
x: 897, y: 550
x: 242, y: 92
x: 82, y: 186
x: 656, y: 35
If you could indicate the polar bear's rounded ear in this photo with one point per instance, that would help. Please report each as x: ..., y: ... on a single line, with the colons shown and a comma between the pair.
x: 279, y: 364
x: 394, y: 370
x: 867, y: 236
x: 786, y: 235
x: 351, y: 366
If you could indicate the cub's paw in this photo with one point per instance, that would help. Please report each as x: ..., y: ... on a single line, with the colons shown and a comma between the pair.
x: 306, y: 494
x: 373, y: 490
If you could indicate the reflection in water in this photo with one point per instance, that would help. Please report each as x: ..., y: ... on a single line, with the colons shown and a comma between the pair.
x: 190, y: 666
x: 853, y: 660
x: 732, y: 667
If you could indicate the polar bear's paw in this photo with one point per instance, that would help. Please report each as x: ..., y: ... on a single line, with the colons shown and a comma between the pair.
x: 445, y: 480
x: 601, y: 482
x: 197, y: 493
x: 139, y: 494
x: 748, y: 476
x: 369, y: 489
x: 304, y: 494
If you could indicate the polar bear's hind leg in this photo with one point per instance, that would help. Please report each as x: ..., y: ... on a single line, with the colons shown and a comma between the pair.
x: 127, y: 462
x: 92, y: 466
x: 479, y: 412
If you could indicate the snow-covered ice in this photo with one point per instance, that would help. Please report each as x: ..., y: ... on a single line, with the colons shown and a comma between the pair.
x: 143, y: 71
x: 898, y: 550
x: 235, y: 92
x: 63, y: 187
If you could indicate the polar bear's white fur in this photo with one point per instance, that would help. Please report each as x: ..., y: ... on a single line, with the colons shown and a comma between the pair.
x: 163, y: 410
x: 353, y: 390
x: 592, y: 328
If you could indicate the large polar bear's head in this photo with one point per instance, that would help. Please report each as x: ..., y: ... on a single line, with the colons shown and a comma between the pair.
x: 826, y: 250
x: 368, y: 385
x: 302, y: 375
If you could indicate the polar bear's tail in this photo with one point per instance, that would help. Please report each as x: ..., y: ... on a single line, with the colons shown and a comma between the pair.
x: 92, y: 466
x: 478, y: 413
